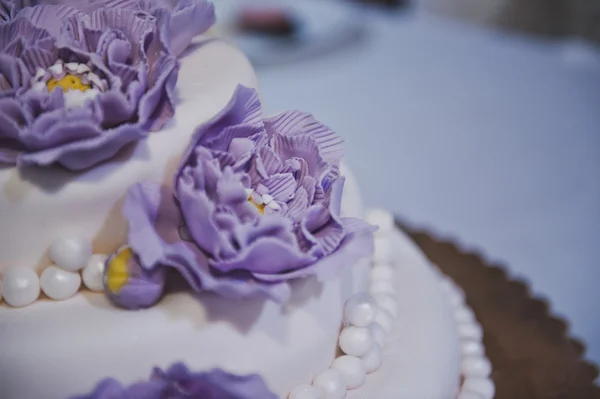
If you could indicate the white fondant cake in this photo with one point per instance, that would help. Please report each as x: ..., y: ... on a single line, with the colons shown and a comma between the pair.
x: 59, y: 348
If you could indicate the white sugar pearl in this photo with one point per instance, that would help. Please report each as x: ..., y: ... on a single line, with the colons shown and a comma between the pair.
x: 360, y: 310
x: 59, y: 284
x: 483, y: 386
x: 464, y: 315
x: 469, y: 395
x: 382, y: 272
x: 381, y: 218
x: 387, y: 302
x: 20, y: 286
x: 385, y: 320
x: 356, y: 341
x: 70, y: 253
x: 384, y: 250
x: 93, y: 272
x: 352, y: 370
x: 382, y: 287
x: 372, y: 360
x: 307, y: 392
x: 471, y: 331
x: 476, y: 366
x: 378, y: 334
x: 471, y: 348
x: 332, y: 382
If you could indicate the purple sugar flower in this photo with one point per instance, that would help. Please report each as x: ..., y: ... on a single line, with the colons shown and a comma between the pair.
x: 78, y: 84
x: 254, y: 204
x: 179, y: 383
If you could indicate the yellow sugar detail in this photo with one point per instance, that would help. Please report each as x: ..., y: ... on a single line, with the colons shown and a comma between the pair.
x: 261, y: 207
x: 117, y: 273
x: 69, y: 82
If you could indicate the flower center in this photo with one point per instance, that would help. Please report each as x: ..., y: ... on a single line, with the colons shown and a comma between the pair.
x: 117, y: 273
x: 68, y: 82
x: 262, y: 202
x: 260, y: 207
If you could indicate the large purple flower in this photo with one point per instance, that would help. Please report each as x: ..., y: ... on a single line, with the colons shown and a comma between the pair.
x: 179, y: 383
x: 78, y: 84
x: 254, y: 204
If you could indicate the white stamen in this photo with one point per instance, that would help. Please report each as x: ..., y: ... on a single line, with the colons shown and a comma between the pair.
x: 267, y: 199
x: 257, y: 199
x: 77, y: 98
x: 248, y: 192
x: 39, y: 86
x: 39, y: 75
x: 274, y: 206
x: 82, y: 68
x: 72, y: 66
x: 95, y: 80
x: 56, y: 70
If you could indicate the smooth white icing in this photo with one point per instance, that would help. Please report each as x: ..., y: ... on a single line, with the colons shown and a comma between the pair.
x: 38, y: 205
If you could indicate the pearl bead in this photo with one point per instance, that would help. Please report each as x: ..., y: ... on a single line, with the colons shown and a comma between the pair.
x: 380, y: 218
x: 476, y: 366
x: 384, y: 250
x: 387, y: 302
x: 20, y: 286
x: 385, y: 320
x: 93, y: 272
x: 464, y: 315
x: 372, y: 360
x: 352, y: 369
x: 356, y: 341
x: 469, y: 395
x: 378, y: 334
x: 472, y: 348
x: 307, y: 392
x: 360, y: 310
x: 382, y: 287
x: 472, y: 331
x: 332, y: 382
x: 59, y: 284
x: 382, y: 272
x: 483, y: 386
x: 456, y: 299
x: 70, y: 253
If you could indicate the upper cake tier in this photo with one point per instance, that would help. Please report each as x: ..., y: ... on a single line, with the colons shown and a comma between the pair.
x: 38, y: 205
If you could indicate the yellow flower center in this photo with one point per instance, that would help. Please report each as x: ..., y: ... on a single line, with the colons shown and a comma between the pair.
x: 117, y: 272
x: 260, y: 207
x: 69, y: 82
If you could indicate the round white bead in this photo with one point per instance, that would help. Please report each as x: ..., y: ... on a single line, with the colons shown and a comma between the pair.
x: 93, y: 272
x: 20, y: 286
x: 380, y: 218
x: 307, y: 392
x: 383, y: 250
x: 378, y: 334
x: 464, y: 315
x: 472, y: 348
x: 470, y: 331
x: 352, y: 370
x: 456, y: 299
x: 385, y: 320
x: 476, y: 366
x: 469, y: 395
x: 483, y: 386
x: 383, y: 272
x: 70, y: 253
x: 382, y: 287
x: 356, y: 341
x: 387, y: 302
x: 360, y: 310
x: 59, y: 284
x: 372, y: 360
x: 332, y: 382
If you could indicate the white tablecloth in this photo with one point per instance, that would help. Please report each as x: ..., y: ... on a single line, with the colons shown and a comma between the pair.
x: 490, y: 138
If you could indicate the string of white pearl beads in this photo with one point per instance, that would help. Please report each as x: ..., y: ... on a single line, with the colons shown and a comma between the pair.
x: 383, y: 249
x: 59, y: 284
x: 332, y: 382
x: 307, y: 392
x: 70, y: 253
x: 372, y: 360
x: 352, y: 369
x: 356, y: 341
x: 360, y: 310
x: 20, y: 286
x: 93, y: 272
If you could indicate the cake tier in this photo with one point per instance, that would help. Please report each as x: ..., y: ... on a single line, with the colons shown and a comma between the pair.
x: 38, y: 205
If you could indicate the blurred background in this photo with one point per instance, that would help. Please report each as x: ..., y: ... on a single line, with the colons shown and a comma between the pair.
x: 476, y: 119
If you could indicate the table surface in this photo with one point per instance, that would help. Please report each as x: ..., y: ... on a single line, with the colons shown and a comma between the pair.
x: 490, y: 138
